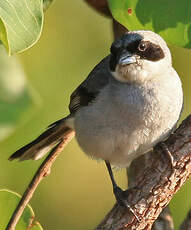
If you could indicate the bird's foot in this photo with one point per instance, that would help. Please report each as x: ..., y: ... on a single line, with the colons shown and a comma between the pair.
x: 165, y: 149
x: 121, y: 198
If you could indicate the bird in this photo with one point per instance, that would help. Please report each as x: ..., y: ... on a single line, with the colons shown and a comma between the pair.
x: 129, y: 102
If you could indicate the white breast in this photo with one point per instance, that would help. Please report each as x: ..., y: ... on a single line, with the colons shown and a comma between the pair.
x: 127, y: 120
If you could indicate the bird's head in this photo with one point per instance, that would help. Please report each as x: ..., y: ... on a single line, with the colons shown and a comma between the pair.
x: 138, y: 56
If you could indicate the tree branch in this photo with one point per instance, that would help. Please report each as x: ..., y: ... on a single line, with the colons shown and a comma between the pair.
x: 118, y: 29
x: 156, y: 185
x: 101, y: 6
x: 43, y: 171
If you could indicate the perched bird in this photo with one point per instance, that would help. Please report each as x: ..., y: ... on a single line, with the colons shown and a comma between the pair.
x: 129, y: 102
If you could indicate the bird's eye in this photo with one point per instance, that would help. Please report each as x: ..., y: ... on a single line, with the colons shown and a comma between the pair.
x: 142, y: 47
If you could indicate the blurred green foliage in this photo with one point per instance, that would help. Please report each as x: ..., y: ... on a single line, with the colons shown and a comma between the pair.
x: 15, y: 95
x: 20, y: 24
x: 171, y: 20
x: 78, y: 192
x: 8, y: 203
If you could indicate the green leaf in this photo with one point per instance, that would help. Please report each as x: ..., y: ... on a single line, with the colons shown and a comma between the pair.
x: 46, y: 4
x: 8, y: 203
x: 171, y: 19
x: 20, y: 23
x: 15, y: 97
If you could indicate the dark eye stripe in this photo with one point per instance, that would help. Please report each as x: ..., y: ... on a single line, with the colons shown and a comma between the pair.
x: 152, y: 53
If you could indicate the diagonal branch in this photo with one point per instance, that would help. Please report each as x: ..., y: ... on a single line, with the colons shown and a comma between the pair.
x: 43, y: 171
x: 156, y: 185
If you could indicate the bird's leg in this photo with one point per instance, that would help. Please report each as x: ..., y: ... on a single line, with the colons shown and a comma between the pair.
x: 116, y: 189
x: 120, y: 195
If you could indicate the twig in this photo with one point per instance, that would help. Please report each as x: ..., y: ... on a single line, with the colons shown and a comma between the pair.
x: 43, y: 171
x: 156, y: 185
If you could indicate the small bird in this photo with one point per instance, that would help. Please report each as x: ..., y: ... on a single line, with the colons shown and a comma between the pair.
x: 129, y: 102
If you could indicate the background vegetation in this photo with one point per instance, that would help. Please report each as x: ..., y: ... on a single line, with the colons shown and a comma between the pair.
x: 78, y: 192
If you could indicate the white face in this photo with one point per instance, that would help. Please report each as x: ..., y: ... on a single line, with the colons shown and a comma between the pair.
x: 141, y: 63
x: 140, y: 71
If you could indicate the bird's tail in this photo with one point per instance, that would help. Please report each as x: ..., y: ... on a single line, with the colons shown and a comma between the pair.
x: 36, y: 149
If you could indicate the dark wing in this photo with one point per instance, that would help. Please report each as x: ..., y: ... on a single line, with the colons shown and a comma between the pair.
x: 90, y: 88
x: 82, y: 96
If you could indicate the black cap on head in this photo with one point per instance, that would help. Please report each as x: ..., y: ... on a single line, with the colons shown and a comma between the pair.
x: 127, y: 41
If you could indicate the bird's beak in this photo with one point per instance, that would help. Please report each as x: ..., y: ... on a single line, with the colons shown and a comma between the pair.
x: 126, y: 59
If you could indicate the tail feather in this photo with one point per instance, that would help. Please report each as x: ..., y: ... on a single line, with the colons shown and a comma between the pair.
x: 45, y: 142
